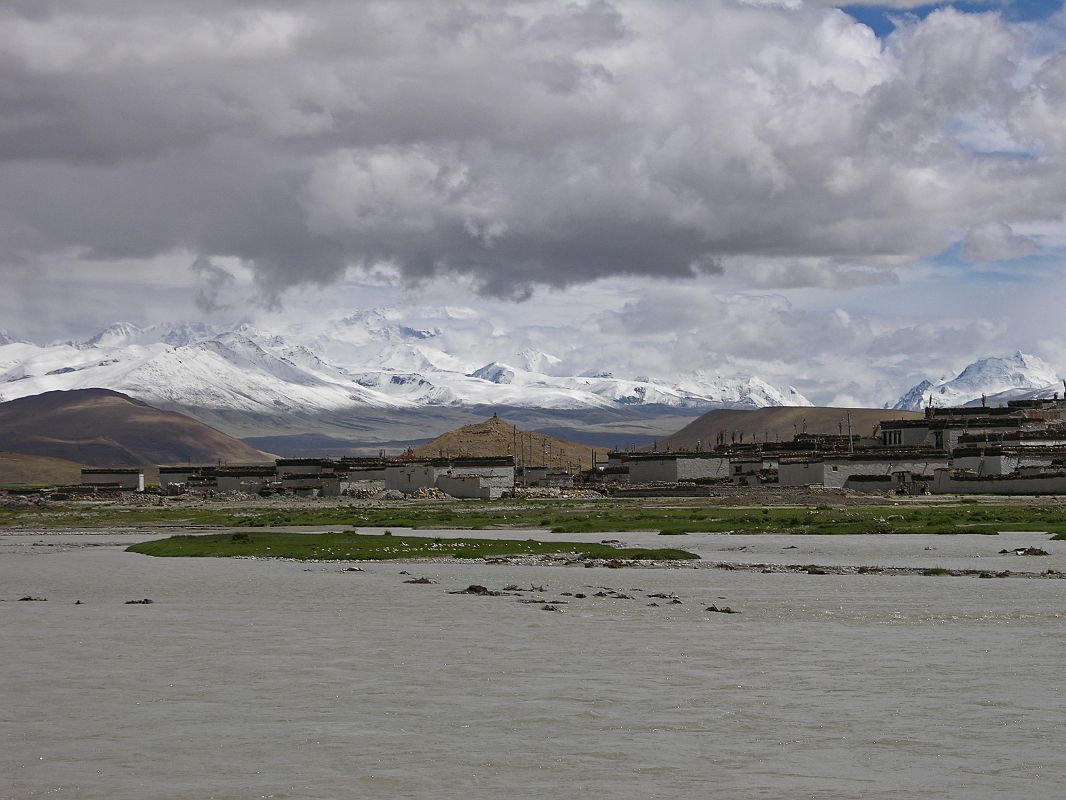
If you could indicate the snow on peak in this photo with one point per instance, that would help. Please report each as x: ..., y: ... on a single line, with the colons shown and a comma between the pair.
x: 173, y: 334
x: 495, y: 373
x: 537, y: 361
x: 118, y: 333
x: 986, y: 377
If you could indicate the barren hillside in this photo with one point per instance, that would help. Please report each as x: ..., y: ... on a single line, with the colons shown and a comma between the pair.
x: 495, y: 437
x: 103, y: 428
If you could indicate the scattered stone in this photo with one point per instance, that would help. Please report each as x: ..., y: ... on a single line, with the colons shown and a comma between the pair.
x: 550, y: 607
x: 675, y: 602
x: 512, y: 587
x: 404, y: 572
x: 601, y: 594
x: 420, y: 581
x: 663, y: 596
x: 144, y: 602
x: 653, y: 605
x: 354, y: 569
x: 1024, y: 551
x: 478, y: 589
x: 610, y: 541
x: 533, y: 588
x: 722, y: 610
x: 31, y: 599
x: 614, y: 563
x: 816, y: 571
x: 77, y: 602
x: 580, y: 596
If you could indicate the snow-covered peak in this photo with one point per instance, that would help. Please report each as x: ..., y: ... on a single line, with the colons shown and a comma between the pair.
x: 172, y: 334
x: 181, y: 334
x: 114, y: 335
x: 418, y: 333
x: 495, y: 373
x: 988, y: 377
x: 6, y: 338
x: 537, y: 361
x: 914, y: 398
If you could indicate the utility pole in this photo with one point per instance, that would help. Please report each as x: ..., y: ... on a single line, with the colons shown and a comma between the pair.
x: 851, y: 440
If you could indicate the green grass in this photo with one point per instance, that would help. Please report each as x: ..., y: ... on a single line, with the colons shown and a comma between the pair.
x: 562, y: 517
x: 350, y: 545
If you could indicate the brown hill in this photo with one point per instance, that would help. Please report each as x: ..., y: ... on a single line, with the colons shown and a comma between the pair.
x: 104, y: 428
x: 495, y: 437
x: 20, y: 469
x: 778, y: 423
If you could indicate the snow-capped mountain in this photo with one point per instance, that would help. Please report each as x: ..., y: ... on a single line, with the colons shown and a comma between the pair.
x: 371, y: 359
x: 995, y: 379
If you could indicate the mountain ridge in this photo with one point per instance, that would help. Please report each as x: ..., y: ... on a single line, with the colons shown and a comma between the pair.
x: 367, y: 360
x: 993, y: 380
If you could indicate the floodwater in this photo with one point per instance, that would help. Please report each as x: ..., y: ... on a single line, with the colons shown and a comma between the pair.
x: 255, y: 678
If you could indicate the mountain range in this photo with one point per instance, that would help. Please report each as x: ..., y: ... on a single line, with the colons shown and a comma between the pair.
x: 363, y: 361
x: 380, y: 378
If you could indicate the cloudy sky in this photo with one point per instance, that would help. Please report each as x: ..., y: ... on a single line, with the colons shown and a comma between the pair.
x: 846, y: 198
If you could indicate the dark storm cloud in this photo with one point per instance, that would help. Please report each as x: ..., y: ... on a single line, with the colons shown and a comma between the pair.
x: 213, y: 280
x: 523, y: 144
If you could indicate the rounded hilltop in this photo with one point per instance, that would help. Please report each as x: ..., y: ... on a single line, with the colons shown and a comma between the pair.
x: 497, y: 437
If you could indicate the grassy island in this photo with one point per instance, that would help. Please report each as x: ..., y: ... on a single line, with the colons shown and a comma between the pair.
x: 353, y: 546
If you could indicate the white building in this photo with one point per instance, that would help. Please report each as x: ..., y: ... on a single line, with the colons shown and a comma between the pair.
x: 491, y: 475
x: 834, y: 472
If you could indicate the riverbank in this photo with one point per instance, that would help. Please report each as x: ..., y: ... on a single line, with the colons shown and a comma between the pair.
x: 836, y: 514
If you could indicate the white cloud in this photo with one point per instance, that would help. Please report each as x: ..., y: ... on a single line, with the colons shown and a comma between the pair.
x: 524, y: 144
x: 995, y: 241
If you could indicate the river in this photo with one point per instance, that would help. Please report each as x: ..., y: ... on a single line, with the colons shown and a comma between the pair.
x: 259, y: 678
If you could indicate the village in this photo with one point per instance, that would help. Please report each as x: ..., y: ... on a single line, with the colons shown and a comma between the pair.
x: 1016, y: 449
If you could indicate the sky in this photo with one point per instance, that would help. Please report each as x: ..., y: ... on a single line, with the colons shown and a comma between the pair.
x: 847, y: 199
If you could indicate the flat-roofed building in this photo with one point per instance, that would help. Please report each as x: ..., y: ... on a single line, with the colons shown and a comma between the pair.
x: 130, y: 479
x: 834, y: 472
x: 249, y: 478
x: 493, y: 473
x: 677, y: 467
